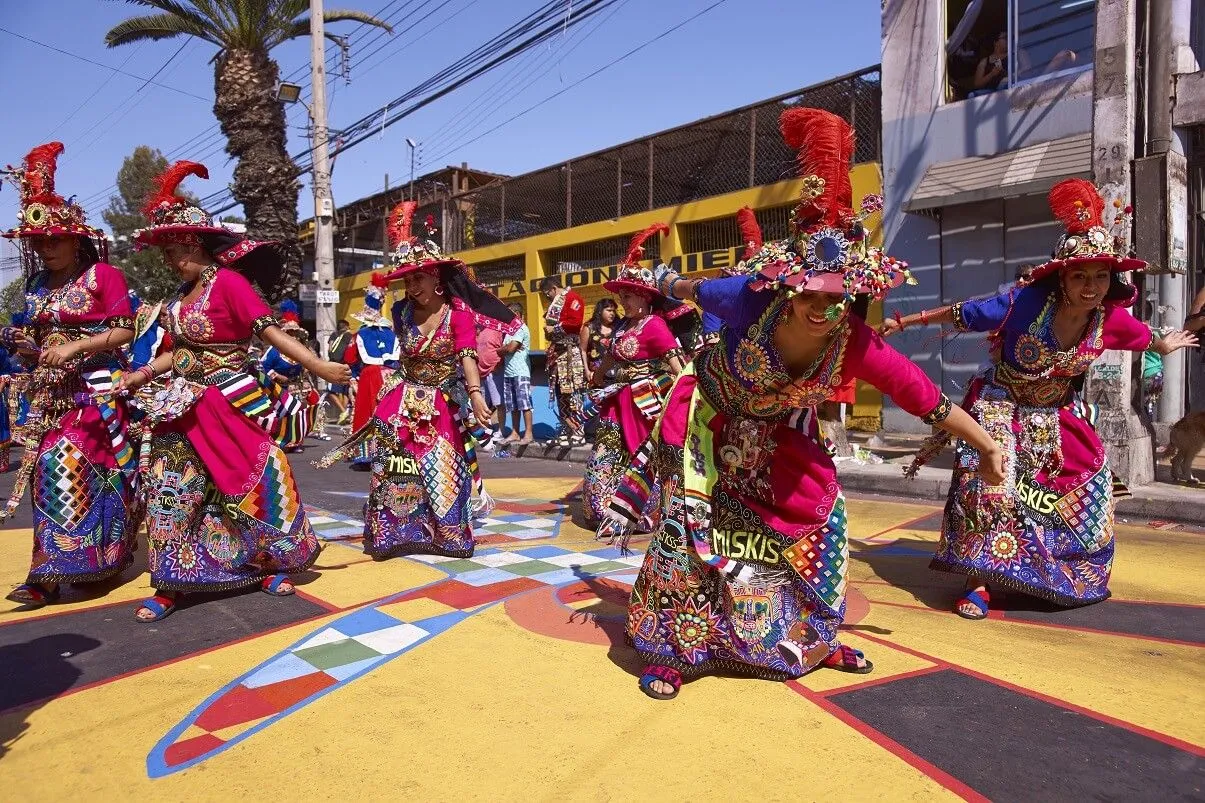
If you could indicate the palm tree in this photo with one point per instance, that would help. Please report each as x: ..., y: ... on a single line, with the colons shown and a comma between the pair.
x: 245, y: 79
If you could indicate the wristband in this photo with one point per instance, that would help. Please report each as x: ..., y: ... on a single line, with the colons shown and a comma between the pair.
x: 899, y: 320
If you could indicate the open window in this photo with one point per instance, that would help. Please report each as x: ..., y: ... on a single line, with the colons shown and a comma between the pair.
x: 994, y: 44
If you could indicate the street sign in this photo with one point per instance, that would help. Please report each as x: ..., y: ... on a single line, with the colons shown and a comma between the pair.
x: 307, y: 292
x: 328, y: 296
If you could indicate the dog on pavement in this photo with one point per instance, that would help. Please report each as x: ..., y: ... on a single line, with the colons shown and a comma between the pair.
x: 1187, y: 439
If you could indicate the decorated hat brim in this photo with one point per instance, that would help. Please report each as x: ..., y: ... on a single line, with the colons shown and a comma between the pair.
x: 834, y: 282
x: 431, y: 266
x: 164, y: 235
x: 376, y: 319
x: 621, y: 285
x: 1116, y: 264
x: 53, y: 231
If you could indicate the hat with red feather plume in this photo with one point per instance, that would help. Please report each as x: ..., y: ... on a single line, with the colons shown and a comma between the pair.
x: 172, y: 218
x: 170, y: 214
x: 409, y: 252
x: 829, y: 248
x: 632, y: 276
x: 43, y: 211
x: 1077, y: 204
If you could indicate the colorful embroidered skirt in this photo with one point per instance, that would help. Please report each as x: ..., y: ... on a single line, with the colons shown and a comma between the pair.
x: 747, y: 574
x: 84, y: 525
x: 424, y: 472
x: 1049, y: 531
x: 223, y: 510
x: 566, y: 368
x: 624, y: 427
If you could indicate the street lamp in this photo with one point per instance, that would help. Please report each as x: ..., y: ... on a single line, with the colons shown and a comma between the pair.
x: 412, y: 145
x: 288, y: 93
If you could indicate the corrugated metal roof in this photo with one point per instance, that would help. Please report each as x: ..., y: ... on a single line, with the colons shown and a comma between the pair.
x: 1025, y: 171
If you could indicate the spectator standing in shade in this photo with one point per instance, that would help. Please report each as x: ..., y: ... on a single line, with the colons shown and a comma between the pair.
x: 516, y: 382
x: 337, y: 345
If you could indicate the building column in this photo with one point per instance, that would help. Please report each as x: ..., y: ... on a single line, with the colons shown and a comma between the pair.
x: 1109, y: 383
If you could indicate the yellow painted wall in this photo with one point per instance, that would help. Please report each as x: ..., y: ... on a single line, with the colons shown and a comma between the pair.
x: 866, y: 179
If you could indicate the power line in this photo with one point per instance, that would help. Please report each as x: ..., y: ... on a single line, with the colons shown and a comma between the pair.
x: 98, y: 64
x: 585, y: 78
x: 212, y: 135
x: 458, y: 74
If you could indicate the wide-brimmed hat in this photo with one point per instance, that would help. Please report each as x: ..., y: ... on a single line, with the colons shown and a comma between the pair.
x: 411, y: 254
x: 829, y: 250
x: 173, y: 218
x: 45, y: 213
x: 1078, y: 205
x: 408, y: 252
x: 634, y: 277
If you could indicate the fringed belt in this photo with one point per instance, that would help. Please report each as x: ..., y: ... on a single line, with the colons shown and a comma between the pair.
x: 207, y: 365
x: 1032, y: 391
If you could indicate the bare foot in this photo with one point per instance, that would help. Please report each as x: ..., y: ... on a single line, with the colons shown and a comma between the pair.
x: 525, y: 440
x: 661, y: 687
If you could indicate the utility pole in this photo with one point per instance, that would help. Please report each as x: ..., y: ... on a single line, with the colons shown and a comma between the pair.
x: 1109, y: 383
x: 412, y: 145
x: 324, y: 207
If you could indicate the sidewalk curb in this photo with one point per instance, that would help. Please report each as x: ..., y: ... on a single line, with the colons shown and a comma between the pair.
x: 1158, y: 501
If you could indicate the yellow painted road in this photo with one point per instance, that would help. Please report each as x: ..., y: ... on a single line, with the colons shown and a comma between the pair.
x: 506, y: 678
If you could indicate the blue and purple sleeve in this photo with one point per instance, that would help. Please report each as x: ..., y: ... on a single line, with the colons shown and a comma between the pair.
x: 732, y: 302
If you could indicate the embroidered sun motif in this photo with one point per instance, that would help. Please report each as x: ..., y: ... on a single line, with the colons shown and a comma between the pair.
x: 752, y: 362
x: 1004, y: 547
x: 1031, y: 352
x: 196, y: 327
x: 627, y: 347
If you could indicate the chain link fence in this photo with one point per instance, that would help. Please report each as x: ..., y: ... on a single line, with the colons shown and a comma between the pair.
x: 720, y: 154
x: 728, y: 152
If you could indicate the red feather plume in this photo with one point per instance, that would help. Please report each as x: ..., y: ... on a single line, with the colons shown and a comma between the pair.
x: 825, y: 144
x: 167, y: 182
x: 1071, y: 199
x: 379, y: 280
x: 636, y: 249
x: 400, y: 221
x: 750, y: 231
x: 40, y: 166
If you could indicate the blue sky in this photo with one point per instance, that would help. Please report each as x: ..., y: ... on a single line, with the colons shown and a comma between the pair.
x: 737, y: 53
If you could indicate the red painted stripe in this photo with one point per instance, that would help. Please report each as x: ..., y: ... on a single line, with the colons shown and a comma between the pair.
x: 890, y: 745
x: 1179, y: 744
x: 79, y: 607
x: 900, y: 526
x: 879, y: 681
x: 1001, y: 616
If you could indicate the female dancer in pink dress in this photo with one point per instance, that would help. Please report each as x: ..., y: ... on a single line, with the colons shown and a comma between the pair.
x: 424, y: 466
x: 77, y: 319
x: 634, y: 376
x: 748, y: 571
x: 223, y: 508
x: 1049, y: 531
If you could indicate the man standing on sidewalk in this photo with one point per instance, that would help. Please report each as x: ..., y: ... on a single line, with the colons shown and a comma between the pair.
x: 516, y: 382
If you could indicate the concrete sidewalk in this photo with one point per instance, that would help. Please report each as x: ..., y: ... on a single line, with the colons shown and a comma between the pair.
x: 1160, y: 500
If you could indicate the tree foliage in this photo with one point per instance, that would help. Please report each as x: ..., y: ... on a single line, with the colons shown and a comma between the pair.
x: 146, y: 272
x: 245, y: 82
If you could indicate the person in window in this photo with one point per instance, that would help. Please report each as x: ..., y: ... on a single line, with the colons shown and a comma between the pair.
x: 1048, y: 531
x: 747, y: 574
x: 992, y: 70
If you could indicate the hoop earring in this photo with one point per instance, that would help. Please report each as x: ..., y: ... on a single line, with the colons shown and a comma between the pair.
x: 439, y: 290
